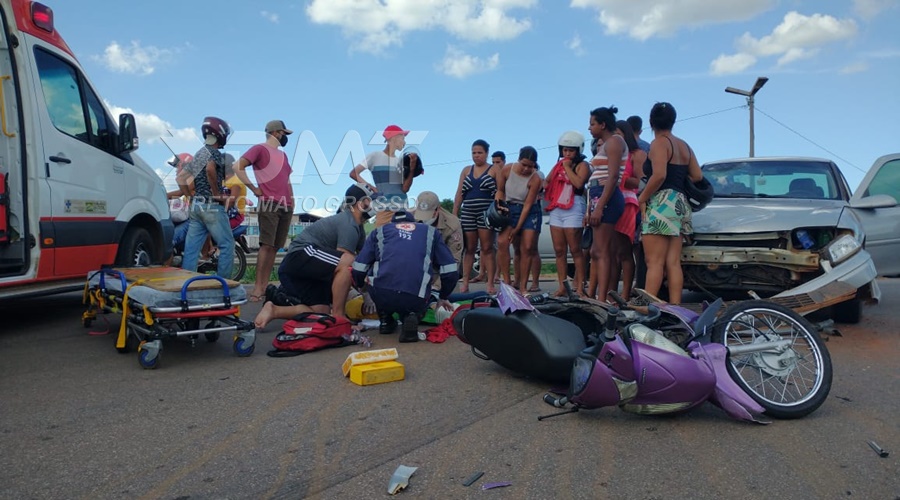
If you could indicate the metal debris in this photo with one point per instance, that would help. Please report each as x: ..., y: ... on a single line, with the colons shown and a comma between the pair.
x: 878, y: 449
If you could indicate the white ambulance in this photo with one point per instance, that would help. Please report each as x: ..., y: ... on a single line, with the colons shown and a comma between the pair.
x: 73, y: 194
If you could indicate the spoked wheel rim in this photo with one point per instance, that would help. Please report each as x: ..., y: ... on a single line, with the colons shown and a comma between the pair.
x: 786, y: 379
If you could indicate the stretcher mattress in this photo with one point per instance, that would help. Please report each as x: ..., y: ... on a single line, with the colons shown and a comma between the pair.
x: 161, y: 287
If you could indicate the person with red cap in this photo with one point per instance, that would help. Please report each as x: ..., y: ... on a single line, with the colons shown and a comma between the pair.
x: 390, y: 173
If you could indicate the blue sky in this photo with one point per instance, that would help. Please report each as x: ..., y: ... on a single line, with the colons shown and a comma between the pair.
x: 513, y: 72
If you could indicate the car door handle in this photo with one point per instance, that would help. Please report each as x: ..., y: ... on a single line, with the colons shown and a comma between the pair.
x: 59, y: 159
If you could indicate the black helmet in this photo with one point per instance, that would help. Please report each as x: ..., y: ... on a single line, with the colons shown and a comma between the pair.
x: 699, y: 193
x: 495, y: 217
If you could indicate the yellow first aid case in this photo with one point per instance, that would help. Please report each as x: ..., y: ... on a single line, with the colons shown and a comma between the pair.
x: 377, y: 373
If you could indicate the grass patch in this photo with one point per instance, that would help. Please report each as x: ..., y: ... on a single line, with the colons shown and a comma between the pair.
x: 250, y: 275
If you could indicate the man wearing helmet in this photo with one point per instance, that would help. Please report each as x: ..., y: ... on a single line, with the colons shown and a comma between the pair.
x: 210, y: 202
x: 315, y: 273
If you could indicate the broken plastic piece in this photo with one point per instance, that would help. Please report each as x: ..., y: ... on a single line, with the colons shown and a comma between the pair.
x: 878, y: 449
x: 473, y: 478
x: 509, y: 299
x: 400, y: 479
x: 490, y: 486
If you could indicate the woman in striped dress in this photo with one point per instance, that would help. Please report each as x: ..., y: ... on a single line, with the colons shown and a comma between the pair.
x: 474, y: 194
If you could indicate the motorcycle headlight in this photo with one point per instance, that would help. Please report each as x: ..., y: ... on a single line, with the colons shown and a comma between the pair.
x: 581, y: 373
x: 842, y: 248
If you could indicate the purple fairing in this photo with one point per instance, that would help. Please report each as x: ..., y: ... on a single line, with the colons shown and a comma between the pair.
x: 611, y: 382
x: 665, y: 377
x: 509, y: 299
x: 727, y: 395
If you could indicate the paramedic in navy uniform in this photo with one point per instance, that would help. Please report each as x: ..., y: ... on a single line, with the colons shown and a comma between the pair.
x: 403, y: 257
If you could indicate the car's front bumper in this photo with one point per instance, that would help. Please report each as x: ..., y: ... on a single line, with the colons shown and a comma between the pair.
x: 856, y: 272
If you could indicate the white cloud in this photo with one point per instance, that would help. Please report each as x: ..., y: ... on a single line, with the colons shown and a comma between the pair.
x: 151, y: 127
x: 460, y: 65
x: 134, y: 58
x: 375, y: 25
x: 726, y: 65
x: 575, y: 45
x: 797, y: 37
x: 648, y: 18
x: 269, y: 16
x: 857, y: 67
x: 868, y: 9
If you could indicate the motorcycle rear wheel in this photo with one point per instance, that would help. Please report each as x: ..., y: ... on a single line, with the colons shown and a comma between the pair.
x: 791, y: 384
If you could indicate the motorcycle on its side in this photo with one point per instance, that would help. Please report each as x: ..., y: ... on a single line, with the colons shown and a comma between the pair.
x: 750, y: 358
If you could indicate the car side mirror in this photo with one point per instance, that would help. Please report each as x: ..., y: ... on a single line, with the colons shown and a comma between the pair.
x: 128, y: 138
x: 874, y: 201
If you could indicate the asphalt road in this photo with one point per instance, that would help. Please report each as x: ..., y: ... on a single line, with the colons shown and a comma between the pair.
x: 79, y: 420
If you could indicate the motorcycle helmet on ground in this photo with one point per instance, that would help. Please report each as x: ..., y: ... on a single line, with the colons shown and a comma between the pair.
x: 496, y: 217
x: 216, y: 127
x: 571, y: 139
x: 699, y: 193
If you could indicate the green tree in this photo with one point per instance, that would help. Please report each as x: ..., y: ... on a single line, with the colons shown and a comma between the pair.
x: 447, y: 204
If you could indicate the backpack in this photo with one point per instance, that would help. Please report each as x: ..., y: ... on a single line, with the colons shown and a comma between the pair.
x: 311, y: 332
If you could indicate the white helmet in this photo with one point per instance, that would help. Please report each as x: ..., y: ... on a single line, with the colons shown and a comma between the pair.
x: 571, y: 139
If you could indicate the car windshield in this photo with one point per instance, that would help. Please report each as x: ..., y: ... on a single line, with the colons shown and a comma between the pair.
x: 773, y: 179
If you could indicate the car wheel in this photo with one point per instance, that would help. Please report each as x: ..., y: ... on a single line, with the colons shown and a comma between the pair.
x: 847, y: 312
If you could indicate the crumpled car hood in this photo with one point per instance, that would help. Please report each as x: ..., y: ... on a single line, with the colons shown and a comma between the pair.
x: 755, y: 215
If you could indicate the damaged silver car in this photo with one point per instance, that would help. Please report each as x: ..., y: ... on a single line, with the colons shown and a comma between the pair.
x: 784, y: 228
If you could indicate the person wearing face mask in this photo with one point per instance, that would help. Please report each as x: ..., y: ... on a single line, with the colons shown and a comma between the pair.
x: 275, y: 195
x: 315, y: 273
x: 430, y: 212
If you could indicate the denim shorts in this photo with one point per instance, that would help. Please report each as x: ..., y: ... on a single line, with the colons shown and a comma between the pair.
x: 532, y: 221
x: 615, y: 205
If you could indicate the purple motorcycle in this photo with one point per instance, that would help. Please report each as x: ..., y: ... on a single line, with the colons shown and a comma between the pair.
x: 750, y: 358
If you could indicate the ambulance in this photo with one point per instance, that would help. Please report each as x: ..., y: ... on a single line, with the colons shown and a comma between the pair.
x: 74, y: 196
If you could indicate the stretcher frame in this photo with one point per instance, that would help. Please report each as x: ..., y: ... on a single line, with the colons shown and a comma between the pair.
x: 143, y: 327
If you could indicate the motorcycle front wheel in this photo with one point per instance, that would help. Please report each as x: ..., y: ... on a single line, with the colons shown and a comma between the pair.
x: 788, y: 384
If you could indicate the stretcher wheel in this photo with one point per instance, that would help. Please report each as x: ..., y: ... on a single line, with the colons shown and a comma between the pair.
x: 211, y: 336
x: 242, y: 349
x: 148, y: 364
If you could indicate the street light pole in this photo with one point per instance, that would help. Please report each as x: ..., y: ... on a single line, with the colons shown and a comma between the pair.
x: 749, y: 94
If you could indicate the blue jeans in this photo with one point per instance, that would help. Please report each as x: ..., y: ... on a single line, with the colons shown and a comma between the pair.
x: 209, y: 219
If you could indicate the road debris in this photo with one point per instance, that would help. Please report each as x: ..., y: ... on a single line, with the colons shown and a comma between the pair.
x: 473, y: 478
x: 400, y: 478
x: 490, y: 486
x: 878, y: 449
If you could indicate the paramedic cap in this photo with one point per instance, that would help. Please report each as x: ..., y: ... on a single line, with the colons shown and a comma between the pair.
x: 276, y: 125
x: 426, y: 206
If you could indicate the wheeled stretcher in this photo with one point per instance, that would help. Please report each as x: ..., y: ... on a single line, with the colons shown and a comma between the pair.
x: 159, y: 303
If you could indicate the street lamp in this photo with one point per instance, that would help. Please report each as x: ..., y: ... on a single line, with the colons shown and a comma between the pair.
x: 749, y: 95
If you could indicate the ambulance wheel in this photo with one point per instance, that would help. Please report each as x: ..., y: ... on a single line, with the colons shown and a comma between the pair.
x: 242, y: 349
x: 136, y: 249
x: 148, y: 364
